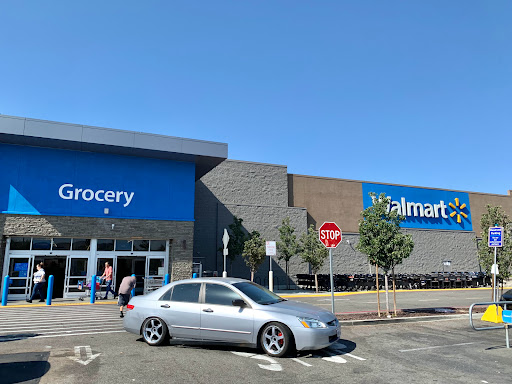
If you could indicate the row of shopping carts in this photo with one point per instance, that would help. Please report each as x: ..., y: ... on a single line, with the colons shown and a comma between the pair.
x: 434, y: 280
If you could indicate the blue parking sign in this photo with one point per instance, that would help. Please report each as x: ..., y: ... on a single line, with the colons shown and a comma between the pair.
x: 496, y: 237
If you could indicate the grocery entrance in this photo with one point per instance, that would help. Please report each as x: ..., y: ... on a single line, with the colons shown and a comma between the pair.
x: 129, y: 265
x: 56, y: 266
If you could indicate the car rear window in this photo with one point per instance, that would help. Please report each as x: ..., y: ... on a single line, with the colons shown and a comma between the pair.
x: 188, y: 293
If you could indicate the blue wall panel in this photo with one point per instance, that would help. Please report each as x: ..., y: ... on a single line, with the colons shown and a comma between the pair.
x: 130, y: 187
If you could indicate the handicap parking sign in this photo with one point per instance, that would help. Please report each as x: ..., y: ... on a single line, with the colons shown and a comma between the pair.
x: 496, y: 237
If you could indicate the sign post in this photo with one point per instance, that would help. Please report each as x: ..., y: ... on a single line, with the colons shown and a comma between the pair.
x: 329, y: 235
x: 225, y: 241
x: 270, y: 247
x: 495, y: 241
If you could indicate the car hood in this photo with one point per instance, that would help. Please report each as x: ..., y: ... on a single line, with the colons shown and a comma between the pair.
x: 296, y: 308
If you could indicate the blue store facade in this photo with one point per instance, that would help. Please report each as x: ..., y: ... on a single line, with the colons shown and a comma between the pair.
x: 75, y: 197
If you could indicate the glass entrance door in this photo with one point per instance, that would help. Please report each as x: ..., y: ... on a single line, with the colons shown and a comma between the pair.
x: 20, y: 272
x: 100, y: 269
x: 76, y: 276
x: 155, y: 273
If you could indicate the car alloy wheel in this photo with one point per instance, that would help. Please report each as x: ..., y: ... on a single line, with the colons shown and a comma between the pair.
x: 276, y: 339
x: 154, y: 331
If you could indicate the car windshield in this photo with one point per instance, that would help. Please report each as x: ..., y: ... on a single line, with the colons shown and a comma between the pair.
x: 258, y: 294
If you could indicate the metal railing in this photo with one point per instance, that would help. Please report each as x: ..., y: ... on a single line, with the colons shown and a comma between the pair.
x: 504, y: 326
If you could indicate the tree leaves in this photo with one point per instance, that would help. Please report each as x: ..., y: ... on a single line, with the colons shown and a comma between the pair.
x: 379, y: 235
x: 495, y: 215
x: 312, y: 250
x: 254, y: 251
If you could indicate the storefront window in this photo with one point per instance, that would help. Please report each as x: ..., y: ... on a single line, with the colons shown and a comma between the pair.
x: 41, y: 244
x: 123, y: 245
x: 157, y: 245
x: 20, y: 243
x: 78, y: 267
x: 18, y: 268
x: 156, y: 267
x: 61, y: 244
x: 105, y: 244
x: 81, y: 244
x: 141, y: 245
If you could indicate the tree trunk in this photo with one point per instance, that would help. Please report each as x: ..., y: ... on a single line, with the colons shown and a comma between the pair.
x: 287, y: 277
x: 378, y: 288
x: 387, y: 293
x: 316, y: 283
x: 252, y: 275
x: 394, y: 290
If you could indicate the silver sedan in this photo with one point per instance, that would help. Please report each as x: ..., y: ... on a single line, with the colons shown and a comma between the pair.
x: 230, y: 310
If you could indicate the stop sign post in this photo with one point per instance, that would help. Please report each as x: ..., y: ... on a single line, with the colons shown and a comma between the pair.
x: 329, y: 235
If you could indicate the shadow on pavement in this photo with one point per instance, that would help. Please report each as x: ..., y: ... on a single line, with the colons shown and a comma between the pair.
x: 346, y: 346
x: 23, y: 367
x: 17, y: 336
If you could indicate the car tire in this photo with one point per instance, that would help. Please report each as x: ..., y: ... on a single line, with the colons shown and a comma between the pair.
x: 154, y: 331
x: 276, y: 339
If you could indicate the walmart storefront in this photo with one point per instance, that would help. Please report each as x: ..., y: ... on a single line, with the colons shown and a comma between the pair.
x: 75, y: 197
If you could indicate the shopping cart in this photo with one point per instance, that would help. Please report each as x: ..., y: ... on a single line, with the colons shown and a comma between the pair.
x: 87, y: 289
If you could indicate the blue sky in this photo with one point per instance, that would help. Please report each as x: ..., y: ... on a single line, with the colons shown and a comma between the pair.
x: 407, y: 92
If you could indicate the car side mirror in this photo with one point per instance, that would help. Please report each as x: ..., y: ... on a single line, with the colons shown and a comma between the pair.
x: 239, y: 303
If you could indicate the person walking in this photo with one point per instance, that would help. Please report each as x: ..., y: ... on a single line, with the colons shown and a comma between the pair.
x: 107, y: 275
x: 125, y: 289
x: 39, y: 283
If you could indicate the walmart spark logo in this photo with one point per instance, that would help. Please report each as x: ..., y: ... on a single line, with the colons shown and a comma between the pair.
x: 458, y: 210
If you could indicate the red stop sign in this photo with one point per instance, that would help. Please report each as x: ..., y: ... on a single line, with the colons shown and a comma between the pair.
x: 330, y: 234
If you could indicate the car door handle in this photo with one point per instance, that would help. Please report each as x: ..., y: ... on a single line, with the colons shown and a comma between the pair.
x: 166, y: 306
x: 208, y: 310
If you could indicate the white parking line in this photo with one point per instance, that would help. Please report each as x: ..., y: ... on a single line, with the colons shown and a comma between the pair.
x: 435, y: 347
x: 301, y: 362
x: 65, y: 335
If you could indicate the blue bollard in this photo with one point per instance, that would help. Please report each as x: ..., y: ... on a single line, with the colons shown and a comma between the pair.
x: 49, y: 292
x: 93, y: 289
x: 194, y: 275
x: 166, y: 281
x: 5, y: 291
x: 133, y: 290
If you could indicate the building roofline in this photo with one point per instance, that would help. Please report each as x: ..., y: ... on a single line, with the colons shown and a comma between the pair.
x: 51, y: 134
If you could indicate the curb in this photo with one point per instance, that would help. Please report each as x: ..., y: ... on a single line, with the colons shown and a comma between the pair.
x: 398, y: 320
x: 53, y: 305
x: 336, y: 294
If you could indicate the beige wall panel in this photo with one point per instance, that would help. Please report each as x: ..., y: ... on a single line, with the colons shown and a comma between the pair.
x: 326, y: 199
x: 479, y: 202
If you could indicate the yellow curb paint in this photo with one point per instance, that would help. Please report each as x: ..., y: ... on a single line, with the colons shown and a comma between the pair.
x: 382, y: 291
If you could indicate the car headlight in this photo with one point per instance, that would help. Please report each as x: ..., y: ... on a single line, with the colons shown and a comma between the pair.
x: 311, y: 323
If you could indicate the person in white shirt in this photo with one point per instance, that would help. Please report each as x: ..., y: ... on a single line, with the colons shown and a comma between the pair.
x: 39, y: 283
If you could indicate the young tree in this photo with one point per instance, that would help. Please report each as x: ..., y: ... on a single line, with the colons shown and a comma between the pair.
x: 493, y: 216
x: 237, y: 238
x: 254, y: 252
x: 288, y: 246
x: 380, y: 239
x: 313, y: 252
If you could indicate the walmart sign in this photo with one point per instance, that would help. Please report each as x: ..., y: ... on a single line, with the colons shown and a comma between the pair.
x: 425, y: 208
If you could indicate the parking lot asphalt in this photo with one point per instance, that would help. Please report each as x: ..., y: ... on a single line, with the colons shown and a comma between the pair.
x: 438, y: 351
x: 366, y: 301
